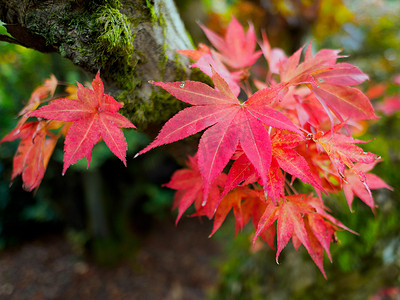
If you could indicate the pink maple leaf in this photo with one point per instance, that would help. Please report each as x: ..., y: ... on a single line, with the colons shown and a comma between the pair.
x: 236, y: 48
x: 94, y: 116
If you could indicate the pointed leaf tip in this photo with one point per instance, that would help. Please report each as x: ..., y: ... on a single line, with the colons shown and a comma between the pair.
x: 136, y: 155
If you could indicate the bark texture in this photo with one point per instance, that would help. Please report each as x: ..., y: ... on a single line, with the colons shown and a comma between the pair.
x: 129, y: 41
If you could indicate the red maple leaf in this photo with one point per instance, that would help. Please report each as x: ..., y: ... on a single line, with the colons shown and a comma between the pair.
x: 207, y: 62
x: 241, y: 171
x: 93, y: 116
x: 321, y: 166
x: 329, y: 81
x: 304, y: 219
x: 306, y: 107
x: 38, y: 95
x: 196, y: 54
x: 33, y: 152
x: 275, y: 56
x: 236, y: 47
x: 343, y: 152
x: 189, y: 186
x: 289, y: 160
x: 47, y: 89
x: 234, y: 200
x: 390, y: 105
x: 353, y: 185
x: 231, y: 122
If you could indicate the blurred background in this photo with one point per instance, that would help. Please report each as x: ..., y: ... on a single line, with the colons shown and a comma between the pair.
x: 108, y: 232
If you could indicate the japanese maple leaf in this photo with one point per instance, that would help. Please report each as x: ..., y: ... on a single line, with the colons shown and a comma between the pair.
x: 294, y: 72
x: 231, y: 122
x: 390, y: 105
x: 304, y: 219
x: 207, y: 59
x: 208, y: 62
x: 38, y: 95
x: 343, y: 152
x: 322, y: 224
x: 289, y: 160
x: 233, y: 201
x: 283, y: 157
x: 289, y: 214
x: 376, y: 91
x: 354, y: 186
x: 33, y: 153
x: 46, y: 90
x: 189, y: 186
x: 196, y: 54
x: 275, y: 56
x: 236, y: 48
x: 253, y: 207
x: 330, y: 83
x: 241, y: 171
x: 94, y: 116
x: 344, y: 101
x: 308, y: 109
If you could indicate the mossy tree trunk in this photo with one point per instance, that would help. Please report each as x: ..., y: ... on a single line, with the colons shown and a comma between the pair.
x: 129, y: 41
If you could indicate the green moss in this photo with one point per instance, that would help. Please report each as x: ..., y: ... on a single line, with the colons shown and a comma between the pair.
x: 117, y: 35
x: 115, y: 43
x: 150, y: 8
x: 156, y: 109
x: 94, y: 35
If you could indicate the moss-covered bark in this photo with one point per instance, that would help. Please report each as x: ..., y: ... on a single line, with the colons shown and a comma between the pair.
x: 129, y: 41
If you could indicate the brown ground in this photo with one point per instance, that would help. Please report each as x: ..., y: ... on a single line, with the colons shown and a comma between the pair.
x: 173, y: 264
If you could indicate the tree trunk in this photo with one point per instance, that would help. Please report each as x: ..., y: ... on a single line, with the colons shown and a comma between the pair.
x: 129, y: 41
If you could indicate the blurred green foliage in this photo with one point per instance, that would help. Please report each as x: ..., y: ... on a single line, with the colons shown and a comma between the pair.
x: 371, y: 39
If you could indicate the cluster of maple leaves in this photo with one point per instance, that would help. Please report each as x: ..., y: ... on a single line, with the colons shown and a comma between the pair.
x: 84, y: 118
x: 264, y: 128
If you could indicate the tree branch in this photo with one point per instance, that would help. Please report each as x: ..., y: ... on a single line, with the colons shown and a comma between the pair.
x: 129, y: 41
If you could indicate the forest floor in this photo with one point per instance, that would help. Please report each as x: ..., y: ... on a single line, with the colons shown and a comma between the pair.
x: 172, y: 263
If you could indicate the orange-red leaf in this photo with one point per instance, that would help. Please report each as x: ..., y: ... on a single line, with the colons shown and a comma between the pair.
x: 94, y: 116
x: 33, y: 153
x: 189, y: 186
x: 343, y: 152
x: 233, y: 200
x: 354, y: 186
